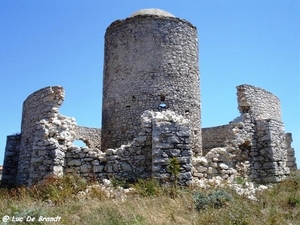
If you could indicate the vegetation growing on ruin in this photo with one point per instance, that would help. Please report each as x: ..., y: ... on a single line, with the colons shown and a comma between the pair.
x: 151, y: 203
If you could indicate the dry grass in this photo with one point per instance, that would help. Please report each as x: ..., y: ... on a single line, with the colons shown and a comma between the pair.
x: 150, y: 204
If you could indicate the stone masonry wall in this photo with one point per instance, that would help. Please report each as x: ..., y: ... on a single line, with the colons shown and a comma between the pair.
x: 247, y: 146
x: 171, y: 139
x: 39, y: 151
x: 11, y: 159
x: 263, y: 146
x: 259, y: 102
x: 151, y: 114
x: 291, y: 159
x: 270, y: 161
x: 269, y: 151
x: 90, y: 136
x: 231, y: 160
x: 44, y: 136
x: 50, y: 152
x: 213, y: 137
x: 129, y: 161
x: 151, y: 63
x: 163, y: 135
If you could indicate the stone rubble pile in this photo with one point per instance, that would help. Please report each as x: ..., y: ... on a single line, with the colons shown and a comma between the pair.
x: 226, y: 161
x: 117, y: 193
x: 247, y: 189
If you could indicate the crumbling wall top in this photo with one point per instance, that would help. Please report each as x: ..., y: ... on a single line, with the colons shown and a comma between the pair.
x: 259, y: 102
x: 41, y: 103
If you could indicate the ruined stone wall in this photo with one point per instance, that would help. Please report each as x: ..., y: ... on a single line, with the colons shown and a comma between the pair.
x: 247, y: 147
x: 269, y: 151
x: 162, y: 136
x: 90, y: 136
x: 39, y: 151
x: 269, y: 163
x: 291, y: 159
x: 258, y: 139
x: 233, y: 158
x: 213, y: 137
x: 259, y: 102
x: 11, y: 159
x: 151, y: 63
x: 44, y: 136
x: 129, y: 161
x: 171, y: 139
x: 48, y: 138
x: 150, y: 72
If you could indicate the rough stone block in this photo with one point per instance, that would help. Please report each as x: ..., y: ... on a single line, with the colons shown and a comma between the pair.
x: 98, y: 169
x: 223, y: 166
x: 126, y: 167
x: 85, y: 168
x: 74, y: 162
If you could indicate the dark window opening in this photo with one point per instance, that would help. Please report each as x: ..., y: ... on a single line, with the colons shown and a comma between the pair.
x: 127, y: 106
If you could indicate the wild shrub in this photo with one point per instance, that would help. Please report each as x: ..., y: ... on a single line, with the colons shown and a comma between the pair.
x: 219, y: 198
x: 201, y: 200
x: 215, y: 199
x: 174, y: 168
x: 241, y: 180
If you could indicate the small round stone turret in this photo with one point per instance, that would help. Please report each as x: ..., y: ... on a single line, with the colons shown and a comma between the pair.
x: 151, y: 63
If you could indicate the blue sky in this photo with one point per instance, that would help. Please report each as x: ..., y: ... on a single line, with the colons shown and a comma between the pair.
x: 56, y: 42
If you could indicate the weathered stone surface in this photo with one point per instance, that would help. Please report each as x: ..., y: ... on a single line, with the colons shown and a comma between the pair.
x: 223, y: 166
x: 98, y: 169
x: 74, y: 162
x: 254, y: 144
x: 151, y: 114
x: 137, y: 80
x: 126, y: 167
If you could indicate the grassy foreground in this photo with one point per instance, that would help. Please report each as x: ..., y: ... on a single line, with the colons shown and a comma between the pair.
x: 149, y: 204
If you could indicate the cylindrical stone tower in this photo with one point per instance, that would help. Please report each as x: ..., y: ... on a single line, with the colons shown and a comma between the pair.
x: 151, y: 63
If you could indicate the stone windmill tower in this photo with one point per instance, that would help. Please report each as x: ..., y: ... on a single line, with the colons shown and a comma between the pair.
x: 151, y: 63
